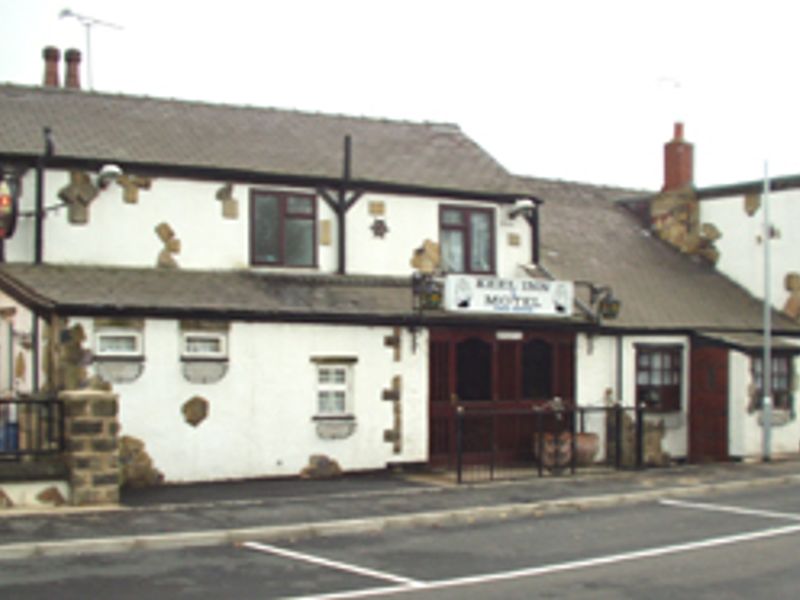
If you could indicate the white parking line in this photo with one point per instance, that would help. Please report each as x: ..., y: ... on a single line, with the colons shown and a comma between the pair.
x: 331, y: 564
x: 562, y: 567
x: 736, y: 510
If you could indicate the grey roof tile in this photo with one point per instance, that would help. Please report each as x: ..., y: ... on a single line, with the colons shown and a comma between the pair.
x: 585, y: 235
x: 271, y: 142
x: 86, y: 289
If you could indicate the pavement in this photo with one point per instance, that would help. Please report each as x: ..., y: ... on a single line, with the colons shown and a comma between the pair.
x: 210, y: 514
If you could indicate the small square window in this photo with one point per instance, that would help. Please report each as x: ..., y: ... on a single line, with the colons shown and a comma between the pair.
x: 334, y: 393
x: 658, y: 377
x: 781, y: 382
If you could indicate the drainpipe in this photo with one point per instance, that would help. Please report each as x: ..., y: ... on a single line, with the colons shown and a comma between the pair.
x: 620, y: 354
x: 341, y: 209
x: 35, y: 353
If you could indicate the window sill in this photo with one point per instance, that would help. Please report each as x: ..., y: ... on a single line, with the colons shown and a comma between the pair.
x: 204, y: 370
x: 336, y: 418
x: 204, y: 359
x: 119, y: 369
x: 778, y: 417
x: 334, y: 427
x: 118, y: 358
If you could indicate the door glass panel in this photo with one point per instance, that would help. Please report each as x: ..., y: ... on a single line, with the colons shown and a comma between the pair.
x: 537, y: 370
x: 474, y: 370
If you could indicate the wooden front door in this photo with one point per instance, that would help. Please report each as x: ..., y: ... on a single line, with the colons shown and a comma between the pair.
x: 482, y: 370
x: 708, y: 404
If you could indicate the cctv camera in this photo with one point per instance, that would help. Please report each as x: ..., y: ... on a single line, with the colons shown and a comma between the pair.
x: 524, y: 206
x: 108, y: 173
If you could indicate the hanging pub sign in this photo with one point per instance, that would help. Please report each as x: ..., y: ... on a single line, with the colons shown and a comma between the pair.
x: 534, y: 297
x: 8, y: 210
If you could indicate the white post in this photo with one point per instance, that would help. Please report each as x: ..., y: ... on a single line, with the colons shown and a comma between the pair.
x: 766, y: 370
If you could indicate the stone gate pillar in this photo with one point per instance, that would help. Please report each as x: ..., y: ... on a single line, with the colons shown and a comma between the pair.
x: 92, y: 449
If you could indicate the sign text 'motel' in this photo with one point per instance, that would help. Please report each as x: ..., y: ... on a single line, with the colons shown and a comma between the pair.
x: 536, y: 297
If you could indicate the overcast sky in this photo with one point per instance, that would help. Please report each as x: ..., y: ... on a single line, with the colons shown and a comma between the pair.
x: 570, y: 89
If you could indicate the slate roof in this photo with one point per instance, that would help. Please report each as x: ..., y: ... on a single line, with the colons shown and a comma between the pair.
x: 271, y: 143
x: 83, y: 290
x: 91, y: 290
x: 585, y: 235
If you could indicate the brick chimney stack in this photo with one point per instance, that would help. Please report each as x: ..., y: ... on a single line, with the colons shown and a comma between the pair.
x: 51, y: 57
x: 678, y: 162
x: 72, y: 77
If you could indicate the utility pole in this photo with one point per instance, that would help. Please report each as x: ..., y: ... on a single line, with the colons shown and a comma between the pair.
x: 766, y: 369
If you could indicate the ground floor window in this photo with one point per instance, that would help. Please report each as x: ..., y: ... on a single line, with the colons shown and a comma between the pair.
x: 658, y: 377
x: 334, y: 388
x: 781, y: 382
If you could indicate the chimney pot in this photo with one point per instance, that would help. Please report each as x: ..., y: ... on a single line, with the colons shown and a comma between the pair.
x: 73, y: 79
x: 51, y: 56
x: 678, y: 162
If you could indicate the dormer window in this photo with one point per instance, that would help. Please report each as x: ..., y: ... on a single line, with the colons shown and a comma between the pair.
x: 283, y: 229
x: 466, y: 236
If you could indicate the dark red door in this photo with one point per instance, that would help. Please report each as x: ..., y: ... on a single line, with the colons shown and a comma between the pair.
x: 708, y: 404
x: 487, y: 373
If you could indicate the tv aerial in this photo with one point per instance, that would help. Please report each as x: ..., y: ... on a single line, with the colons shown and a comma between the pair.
x: 88, y: 23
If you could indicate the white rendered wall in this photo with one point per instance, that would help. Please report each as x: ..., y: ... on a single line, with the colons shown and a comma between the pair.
x: 413, y: 220
x: 596, y: 381
x: 738, y: 399
x: 676, y: 439
x: 741, y: 250
x: 260, y: 418
x: 123, y: 234
x: 596, y: 366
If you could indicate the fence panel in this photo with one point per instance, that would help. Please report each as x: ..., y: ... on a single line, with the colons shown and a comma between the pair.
x: 503, y: 444
x: 30, y: 427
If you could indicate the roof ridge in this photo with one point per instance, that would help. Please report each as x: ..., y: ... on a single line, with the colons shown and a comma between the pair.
x: 583, y: 184
x: 447, y: 126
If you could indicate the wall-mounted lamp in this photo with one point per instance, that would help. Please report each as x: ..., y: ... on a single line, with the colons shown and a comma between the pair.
x: 602, y: 300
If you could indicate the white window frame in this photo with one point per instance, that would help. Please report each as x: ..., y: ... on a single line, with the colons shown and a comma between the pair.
x: 136, y: 353
x: 344, y: 387
x: 221, y: 337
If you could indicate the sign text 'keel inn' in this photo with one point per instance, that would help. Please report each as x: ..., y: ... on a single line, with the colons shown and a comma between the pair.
x: 535, y: 297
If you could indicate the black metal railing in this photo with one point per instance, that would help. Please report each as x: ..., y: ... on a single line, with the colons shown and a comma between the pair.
x: 492, y: 444
x: 31, y: 427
